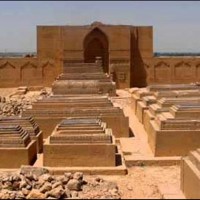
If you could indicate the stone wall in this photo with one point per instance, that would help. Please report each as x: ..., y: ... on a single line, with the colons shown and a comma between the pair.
x: 66, y: 44
x: 130, y: 57
x: 163, y: 70
x: 16, y: 72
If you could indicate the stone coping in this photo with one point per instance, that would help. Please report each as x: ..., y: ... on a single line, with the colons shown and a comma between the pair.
x: 13, y: 136
x: 163, y: 87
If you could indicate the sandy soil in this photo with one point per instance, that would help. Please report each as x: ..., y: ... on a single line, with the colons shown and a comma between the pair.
x: 144, y: 182
x: 6, y: 92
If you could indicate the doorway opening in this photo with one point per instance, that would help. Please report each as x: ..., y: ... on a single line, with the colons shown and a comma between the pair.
x: 96, y: 45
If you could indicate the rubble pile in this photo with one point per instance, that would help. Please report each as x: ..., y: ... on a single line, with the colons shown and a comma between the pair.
x: 21, y: 100
x: 37, y: 183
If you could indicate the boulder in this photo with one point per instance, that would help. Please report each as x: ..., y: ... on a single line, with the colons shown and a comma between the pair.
x: 47, y: 177
x: 56, y: 184
x: 78, y: 176
x: 63, y: 179
x: 46, y: 187
x: 36, y: 194
x: 56, y: 192
x: 68, y: 175
x: 74, y: 184
x: 25, y: 192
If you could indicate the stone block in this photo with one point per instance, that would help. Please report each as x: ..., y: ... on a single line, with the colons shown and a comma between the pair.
x: 84, y: 155
x: 190, y: 175
x: 172, y: 141
x: 15, y: 157
x: 28, y: 124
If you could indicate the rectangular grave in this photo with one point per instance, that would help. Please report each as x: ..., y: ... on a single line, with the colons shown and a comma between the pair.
x: 86, y: 150
x: 28, y: 124
x: 172, y: 137
x: 16, y: 144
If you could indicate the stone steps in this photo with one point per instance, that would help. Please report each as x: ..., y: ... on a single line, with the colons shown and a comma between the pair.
x: 16, y: 147
x: 168, y: 102
x: 97, y: 149
x: 29, y: 125
x: 168, y: 87
x: 13, y: 136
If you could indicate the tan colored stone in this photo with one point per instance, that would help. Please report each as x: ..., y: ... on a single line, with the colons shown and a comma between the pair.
x: 36, y: 194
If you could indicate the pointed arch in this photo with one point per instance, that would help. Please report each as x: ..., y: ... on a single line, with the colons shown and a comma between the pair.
x: 183, y: 70
x: 96, y: 44
x: 7, y: 64
x: 28, y: 72
x: 48, y: 71
x: 7, y: 72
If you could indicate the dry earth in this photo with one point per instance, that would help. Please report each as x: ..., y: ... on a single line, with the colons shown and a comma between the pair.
x: 144, y: 182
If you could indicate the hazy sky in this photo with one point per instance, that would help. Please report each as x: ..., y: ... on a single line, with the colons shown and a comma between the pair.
x: 176, y: 24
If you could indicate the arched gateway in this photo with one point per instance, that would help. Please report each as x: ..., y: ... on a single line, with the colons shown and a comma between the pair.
x: 96, y: 45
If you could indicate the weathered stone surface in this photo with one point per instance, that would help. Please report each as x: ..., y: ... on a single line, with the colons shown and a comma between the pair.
x: 190, y: 175
x: 36, y: 194
x: 38, y: 171
x: 46, y: 177
x: 46, y: 187
x: 76, y: 187
x: 25, y: 192
x: 68, y: 175
x: 63, y: 179
x: 74, y: 184
x: 56, y: 184
x: 67, y: 193
x: 78, y: 176
x: 56, y: 192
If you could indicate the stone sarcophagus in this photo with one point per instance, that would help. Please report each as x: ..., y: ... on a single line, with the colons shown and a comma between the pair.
x: 68, y: 146
x: 76, y: 96
x: 164, y: 105
x: 16, y: 147
x: 29, y: 125
x: 168, y: 136
x: 144, y: 105
x: 83, y: 78
x: 50, y: 111
x: 83, y: 87
x: 186, y: 110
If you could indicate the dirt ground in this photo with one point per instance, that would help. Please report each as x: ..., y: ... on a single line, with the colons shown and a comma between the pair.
x: 141, y: 182
x: 144, y: 182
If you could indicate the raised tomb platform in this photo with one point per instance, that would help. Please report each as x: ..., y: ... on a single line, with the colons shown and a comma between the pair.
x: 16, y: 147
x: 29, y: 125
x: 83, y: 78
x: 81, y: 142
x: 190, y: 175
x: 170, y: 136
x: 159, y: 91
x: 84, y: 102
x: 79, y: 123
x: 170, y: 115
x: 163, y: 105
x: 50, y: 111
